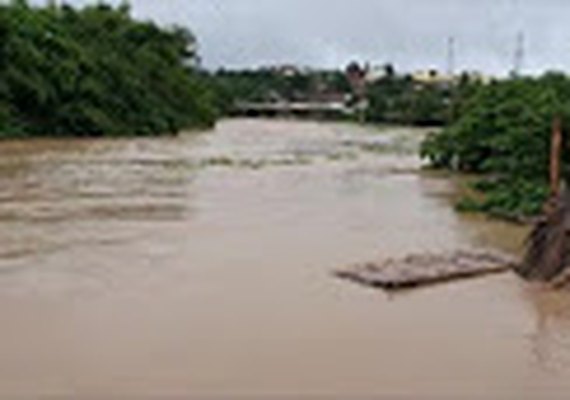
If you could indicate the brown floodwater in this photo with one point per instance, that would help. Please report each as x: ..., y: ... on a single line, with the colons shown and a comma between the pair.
x: 201, y: 265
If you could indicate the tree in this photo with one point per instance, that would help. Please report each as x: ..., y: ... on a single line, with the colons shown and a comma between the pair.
x: 502, y: 131
x: 96, y: 71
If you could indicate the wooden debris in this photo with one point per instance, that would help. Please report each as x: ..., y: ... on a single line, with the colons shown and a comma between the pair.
x: 416, y: 271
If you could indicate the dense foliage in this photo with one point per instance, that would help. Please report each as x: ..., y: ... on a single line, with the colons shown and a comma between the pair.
x: 270, y: 85
x: 399, y: 99
x: 96, y: 71
x: 503, y: 132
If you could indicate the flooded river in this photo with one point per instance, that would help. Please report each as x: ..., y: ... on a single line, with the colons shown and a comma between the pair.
x: 201, y: 265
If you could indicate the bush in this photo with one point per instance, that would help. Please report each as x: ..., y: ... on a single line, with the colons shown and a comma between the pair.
x: 96, y: 71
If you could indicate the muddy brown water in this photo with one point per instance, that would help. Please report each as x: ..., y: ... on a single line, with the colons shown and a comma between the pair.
x: 200, y: 265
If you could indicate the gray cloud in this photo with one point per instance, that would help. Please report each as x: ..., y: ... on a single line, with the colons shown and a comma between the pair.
x: 410, y: 33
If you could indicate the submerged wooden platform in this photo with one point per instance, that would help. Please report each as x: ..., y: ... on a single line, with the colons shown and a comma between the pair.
x: 416, y: 271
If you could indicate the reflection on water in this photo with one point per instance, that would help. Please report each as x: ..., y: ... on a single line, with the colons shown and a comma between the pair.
x: 550, y: 340
x: 201, y: 265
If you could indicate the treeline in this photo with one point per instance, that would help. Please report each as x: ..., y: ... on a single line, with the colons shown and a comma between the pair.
x: 503, y: 134
x: 385, y: 95
x: 278, y: 84
x: 96, y: 71
x: 399, y: 99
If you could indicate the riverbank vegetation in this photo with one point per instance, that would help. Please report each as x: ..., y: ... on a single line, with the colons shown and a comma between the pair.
x: 279, y: 84
x: 502, y: 134
x: 397, y: 99
x: 403, y: 100
x: 96, y: 71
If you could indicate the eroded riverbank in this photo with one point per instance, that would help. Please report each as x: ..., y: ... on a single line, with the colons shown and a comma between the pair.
x: 201, y: 265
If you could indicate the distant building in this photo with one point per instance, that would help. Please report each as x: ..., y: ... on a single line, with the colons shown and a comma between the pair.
x: 432, y: 77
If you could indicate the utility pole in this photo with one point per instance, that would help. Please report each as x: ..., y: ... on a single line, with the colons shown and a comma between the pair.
x: 452, y: 85
x: 451, y: 56
x: 519, y: 56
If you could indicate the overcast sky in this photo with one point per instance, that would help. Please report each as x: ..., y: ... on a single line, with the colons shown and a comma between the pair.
x: 411, y: 34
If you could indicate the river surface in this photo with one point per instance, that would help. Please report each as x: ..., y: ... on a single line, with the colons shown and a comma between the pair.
x: 201, y: 265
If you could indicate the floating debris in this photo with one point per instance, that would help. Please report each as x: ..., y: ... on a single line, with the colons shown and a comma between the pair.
x: 416, y: 271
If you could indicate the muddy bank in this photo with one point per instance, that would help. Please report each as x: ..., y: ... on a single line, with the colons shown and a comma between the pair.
x: 134, y: 268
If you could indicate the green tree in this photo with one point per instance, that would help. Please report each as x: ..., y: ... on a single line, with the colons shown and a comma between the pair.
x: 503, y: 132
x: 96, y: 71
